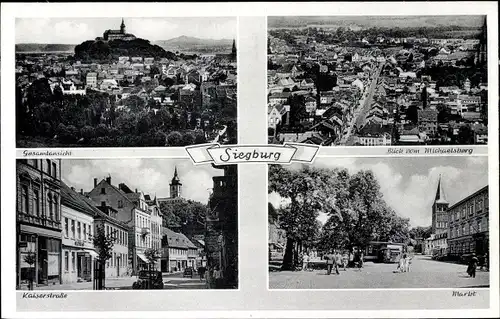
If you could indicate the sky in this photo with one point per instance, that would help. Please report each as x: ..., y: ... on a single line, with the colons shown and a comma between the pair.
x: 151, y: 176
x: 409, y: 185
x: 77, y: 30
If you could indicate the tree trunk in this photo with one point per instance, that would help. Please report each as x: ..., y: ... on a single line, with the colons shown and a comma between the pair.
x: 288, y: 258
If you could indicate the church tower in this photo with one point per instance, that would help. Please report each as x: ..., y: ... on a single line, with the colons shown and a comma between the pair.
x: 175, y: 186
x: 122, y: 27
x: 439, y: 211
x: 233, y: 50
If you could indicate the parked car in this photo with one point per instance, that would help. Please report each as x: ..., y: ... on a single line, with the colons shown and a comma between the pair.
x: 188, y: 272
x: 149, y: 279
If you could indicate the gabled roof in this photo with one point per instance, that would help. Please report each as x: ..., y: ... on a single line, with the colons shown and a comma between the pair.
x: 177, y: 240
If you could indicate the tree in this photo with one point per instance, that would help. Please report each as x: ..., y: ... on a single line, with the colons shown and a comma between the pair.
x: 305, y: 190
x: 103, y: 244
x: 152, y: 255
x: 30, y: 259
x: 174, y: 139
x: 465, y: 135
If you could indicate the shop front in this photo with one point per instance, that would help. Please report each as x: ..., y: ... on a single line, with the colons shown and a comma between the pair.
x: 39, y: 256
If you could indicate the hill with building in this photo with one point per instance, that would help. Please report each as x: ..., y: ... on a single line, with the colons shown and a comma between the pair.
x: 191, y: 44
x: 108, y: 50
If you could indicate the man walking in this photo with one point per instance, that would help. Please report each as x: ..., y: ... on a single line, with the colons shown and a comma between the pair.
x: 330, y: 259
x: 338, y: 261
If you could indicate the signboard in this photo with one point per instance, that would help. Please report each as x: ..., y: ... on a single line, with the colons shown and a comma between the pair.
x: 79, y: 243
x: 23, y: 244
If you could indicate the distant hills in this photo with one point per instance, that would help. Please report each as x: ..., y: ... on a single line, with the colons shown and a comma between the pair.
x: 364, y: 22
x: 43, y: 47
x: 185, y: 41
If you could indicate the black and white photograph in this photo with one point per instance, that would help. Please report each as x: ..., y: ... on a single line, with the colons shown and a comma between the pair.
x: 125, y: 82
x: 353, y: 223
x: 126, y: 224
x: 378, y: 80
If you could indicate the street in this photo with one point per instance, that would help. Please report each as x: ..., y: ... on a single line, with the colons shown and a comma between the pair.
x: 170, y: 281
x: 363, y: 107
x: 424, y: 273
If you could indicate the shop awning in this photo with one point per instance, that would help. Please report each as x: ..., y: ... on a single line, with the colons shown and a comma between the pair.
x: 91, y: 252
x: 141, y: 256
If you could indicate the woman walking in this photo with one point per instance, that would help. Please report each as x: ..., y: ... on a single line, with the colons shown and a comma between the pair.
x: 471, y: 269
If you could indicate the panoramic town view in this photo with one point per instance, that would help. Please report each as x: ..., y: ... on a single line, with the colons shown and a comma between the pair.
x: 118, y: 82
x: 379, y: 223
x: 125, y: 224
x: 385, y: 80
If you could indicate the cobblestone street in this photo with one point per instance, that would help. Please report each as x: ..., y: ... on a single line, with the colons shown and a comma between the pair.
x: 424, y: 273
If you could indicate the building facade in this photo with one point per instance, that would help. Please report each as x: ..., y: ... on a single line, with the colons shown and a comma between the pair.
x: 221, y: 236
x: 132, y: 209
x: 78, y: 253
x: 178, y: 252
x: 468, y: 230
x: 38, y: 223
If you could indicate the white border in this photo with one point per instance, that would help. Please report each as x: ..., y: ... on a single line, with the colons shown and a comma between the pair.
x: 253, y: 247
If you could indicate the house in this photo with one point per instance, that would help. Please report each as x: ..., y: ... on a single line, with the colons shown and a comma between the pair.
x: 428, y: 121
x: 310, y: 104
x: 72, y: 87
x: 178, y: 252
x: 275, y: 114
x: 279, y: 98
x: 91, y: 79
x: 132, y: 209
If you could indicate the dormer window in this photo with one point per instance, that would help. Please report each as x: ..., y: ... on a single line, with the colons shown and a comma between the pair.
x: 103, y: 190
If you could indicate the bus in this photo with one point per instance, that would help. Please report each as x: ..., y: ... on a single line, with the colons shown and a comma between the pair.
x: 383, y: 251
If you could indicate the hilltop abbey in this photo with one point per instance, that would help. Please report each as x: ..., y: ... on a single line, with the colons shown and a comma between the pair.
x: 109, y: 35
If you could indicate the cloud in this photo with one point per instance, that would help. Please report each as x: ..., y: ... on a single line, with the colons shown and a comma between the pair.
x: 151, y: 176
x: 66, y: 31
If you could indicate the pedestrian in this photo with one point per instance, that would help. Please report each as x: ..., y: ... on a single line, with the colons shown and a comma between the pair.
x: 201, y: 272
x: 361, y: 259
x: 345, y: 259
x: 338, y: 262
x: 471, y: 269
x: 356, y: 260
x: 218, y: 277
x: 408, y: 262
x: 330, y: 259
x: 351, y: 258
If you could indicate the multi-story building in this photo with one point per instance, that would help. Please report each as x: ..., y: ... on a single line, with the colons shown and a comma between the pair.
x: 468, y: 224
x: 133, y: 210
x: 78, y: 253
x: 156, y: 224
x: 221, y: 236
x: 91, y: 79
x: 119, y: 263
x: 38, y: 206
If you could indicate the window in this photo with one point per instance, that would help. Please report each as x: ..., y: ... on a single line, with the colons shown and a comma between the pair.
x: 66, y: 261
x: 56, y: 210
x: 49, y: 204
x: 103, y: 190
x: 73, y: 261
x: 24, y: 199
x: 120, y: 204
x: 463, y: 212
x: 72, y: 229
x: 471, y: 209
x: 463, y: 230
x: 79, y: 230
x: 479, y: 226
x: 84, y: 231
x: 479, y: 205
x: 54, y: 170
x: 66, y: 227
x: 107, y: 230
x: 48, y: 166
x: 36, y: 202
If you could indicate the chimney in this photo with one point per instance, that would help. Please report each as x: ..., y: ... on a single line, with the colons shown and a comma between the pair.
x: 72, y: 188
x: 136, y: 190
x: 108, y: 180
x: 120, y: 186
x: 81, y: 191
x: 95, y: 182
